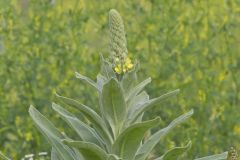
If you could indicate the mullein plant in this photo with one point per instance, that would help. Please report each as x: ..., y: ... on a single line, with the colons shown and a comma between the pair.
x: 115, y: 130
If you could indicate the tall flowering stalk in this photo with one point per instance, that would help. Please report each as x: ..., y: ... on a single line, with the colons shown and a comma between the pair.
x: 118, y: 44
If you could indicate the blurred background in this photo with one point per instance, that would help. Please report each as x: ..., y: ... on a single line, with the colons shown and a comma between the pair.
x: 188, y: 44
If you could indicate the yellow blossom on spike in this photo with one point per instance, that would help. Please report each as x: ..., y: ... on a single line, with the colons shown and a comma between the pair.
x: 130, y: 66
x: 128, y: 60
x: 128, y: 63
x: 118, y: 69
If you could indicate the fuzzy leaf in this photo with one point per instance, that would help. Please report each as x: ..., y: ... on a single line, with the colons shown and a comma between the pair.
x: 136, y: 102
x: 113, y: 105
x: 51, y: 134
x: 106, y: 69
x: 153, y: 140
x: 148, y: 105
x: 138, y: 89
x: 134, y: 105
x: 54, y: 155
x: 129, y: 79
x: 222, y: 156
x: 175, y: 152
x: 129, y: 140
x: 101, y: 80
x: 85, y: 132
x: 88, y: 80
x: 88, y: 150
x: 91, y: 115
x: 113, y: 157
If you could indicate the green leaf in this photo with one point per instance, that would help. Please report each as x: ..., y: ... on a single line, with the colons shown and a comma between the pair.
x: 138, y: 89
x: 84, y: 131
x: 153, y: 140
x: 3, y: 157
x: 129, y: 80
x: 106, y: 69
x: 89, y: 151
x: 113, y: 105
x: 113, y: 157
x: 54, y: 155
x: 140, y: 99
x: 136, y: 102
x: 88, y: 80
x: 101, y: 80
x: 91, y: 115
x: 51, y: 134
x: 129, y: 140
x: 78, y: 154
x: 148, y: 105
x: 175, y: 153
x: 222, y: 156
x: 134, y: 105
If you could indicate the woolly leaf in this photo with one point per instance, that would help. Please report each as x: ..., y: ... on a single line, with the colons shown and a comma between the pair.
x: 222, y: 156
x: 85, y: 132
x: 136, y: 90
x: 148, y: 105
x: 129, y: 80
x: 129, y: 140
x: 91, y: 115
x: 88, y: 150
x: 113, y: 105
x: 175, y: 152
x: 106, y: 68
x: 88, y: 80
x: 51, y: 134
x: 54, y: 155
x: 153, y: 140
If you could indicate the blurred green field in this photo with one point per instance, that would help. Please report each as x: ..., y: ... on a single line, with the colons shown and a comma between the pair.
x: 188, y: 44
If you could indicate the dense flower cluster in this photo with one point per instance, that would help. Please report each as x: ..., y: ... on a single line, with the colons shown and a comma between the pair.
x: 125, y: 67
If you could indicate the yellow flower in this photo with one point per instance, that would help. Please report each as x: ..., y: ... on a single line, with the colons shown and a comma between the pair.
x: 128, y: 63
x: 128, y: 60
x: 118, y: 69
x: 130, y: 66
x: 125, y: 68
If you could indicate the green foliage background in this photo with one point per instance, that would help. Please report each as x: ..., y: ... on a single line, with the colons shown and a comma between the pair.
x: 188, y: 44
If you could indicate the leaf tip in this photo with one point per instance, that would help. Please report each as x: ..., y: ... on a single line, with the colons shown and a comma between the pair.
x: 54, y: 105
x: 191, y: 111
x: 189, y: 144
x: 77, y: 74
x: 158, y: 118
x: 31, y: 108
